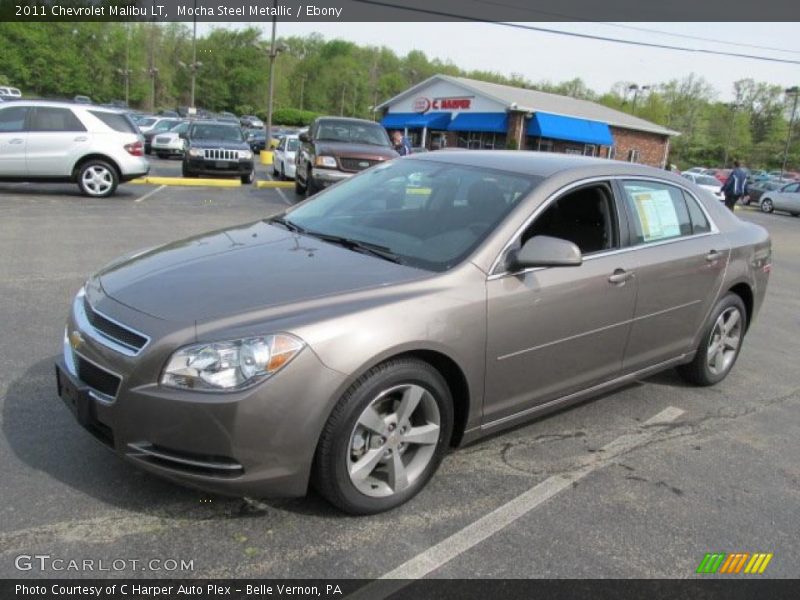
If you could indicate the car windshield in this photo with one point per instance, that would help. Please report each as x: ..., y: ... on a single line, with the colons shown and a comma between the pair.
x: 146, y: 122
x: 217, y: 132
x: 180, y: 128
x: 424, y: 214
x: 706, y: 180
x: 359, y: 133
x: 165, y: 125
x: 291, y: 145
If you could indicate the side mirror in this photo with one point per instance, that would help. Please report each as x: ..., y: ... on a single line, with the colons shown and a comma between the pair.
x: 545, y: 251
x: 303, y: 137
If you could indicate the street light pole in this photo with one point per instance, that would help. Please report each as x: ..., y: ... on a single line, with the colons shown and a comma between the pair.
x: 272, y: 54
x: 194, y: 52
x: 733, y: 108
x: 636, y: 89
x: 793, y: 91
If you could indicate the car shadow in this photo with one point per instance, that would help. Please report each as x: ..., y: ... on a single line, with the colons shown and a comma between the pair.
x: 44, y: 435
x: 63, y: 190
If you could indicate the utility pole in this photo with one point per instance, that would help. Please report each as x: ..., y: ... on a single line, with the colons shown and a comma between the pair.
x: 302, y: 90
x: 126, y: 72
x: 273, y: 52
x: 341, y: 106
x: 733, y: 108
x: 194, y: 51
x: 792, y: 91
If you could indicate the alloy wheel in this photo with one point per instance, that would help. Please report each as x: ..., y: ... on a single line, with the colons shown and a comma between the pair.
x: 97, y: 180
x: 393, y: 441
x: 723, y: 344
x: 766, y: 205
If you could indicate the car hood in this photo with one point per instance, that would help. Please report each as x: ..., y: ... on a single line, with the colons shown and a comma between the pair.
x: 242, y: 269
x: 356, y: 150
x: 224, y: 144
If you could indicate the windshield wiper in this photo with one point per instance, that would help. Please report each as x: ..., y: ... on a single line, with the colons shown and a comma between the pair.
x: 359, y: 246
x: 287, y: 224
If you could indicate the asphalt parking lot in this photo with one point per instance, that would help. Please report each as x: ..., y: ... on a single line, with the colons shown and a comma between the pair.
x: 638, y: 483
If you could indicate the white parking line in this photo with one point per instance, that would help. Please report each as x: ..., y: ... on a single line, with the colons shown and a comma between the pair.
x: 150, y: 193
x: 283, y: 196
x: 461, y: 541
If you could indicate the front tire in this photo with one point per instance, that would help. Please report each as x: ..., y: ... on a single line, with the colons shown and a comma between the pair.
x: 385, y: 438
x: 97, y: 179
x: 299, y: 188
x: 720, y: 343
x: 249, y: 178
x: 767, y: 206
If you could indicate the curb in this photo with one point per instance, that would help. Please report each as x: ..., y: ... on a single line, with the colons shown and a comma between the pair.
x: 271, y: 183
x: 187, y: 182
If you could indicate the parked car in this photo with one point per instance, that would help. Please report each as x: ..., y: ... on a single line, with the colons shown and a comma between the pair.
x: 696, y: 170
x: 707, y: 182
x: 257, y: 139
x: 353, y: 339
x: 283, y: 165
x: 335, y: 148
x: 95, y: 147
x: 251, y: 122
x: 171, y: 143
x: 720, y: 174
x: 217, y: 148
x: 172, y: 114
x: 146, y: 122
x: 786, y: 198
x: 160, y: 126
x: 82, y: 99
x: 754, y: 191
x: 228, y: 117
x: 11, y: 92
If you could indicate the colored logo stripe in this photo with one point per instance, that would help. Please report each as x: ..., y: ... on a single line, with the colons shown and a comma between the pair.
x: 721, y: 562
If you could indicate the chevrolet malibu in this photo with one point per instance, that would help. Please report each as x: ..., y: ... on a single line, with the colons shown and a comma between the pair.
x: 426, y: 302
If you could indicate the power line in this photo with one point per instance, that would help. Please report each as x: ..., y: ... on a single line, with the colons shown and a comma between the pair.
x: 587, y: 36
x: 572, y: 18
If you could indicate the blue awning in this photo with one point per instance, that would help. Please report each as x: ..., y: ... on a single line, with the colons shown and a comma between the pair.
x: 559, y: 127
x: 491, y: 122
x: 436, y: 120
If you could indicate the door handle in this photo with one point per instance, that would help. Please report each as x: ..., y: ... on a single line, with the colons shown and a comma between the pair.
x: 620, y: 276
x: 81, y: 138
x: 16, y: 141
x: 713, y: 255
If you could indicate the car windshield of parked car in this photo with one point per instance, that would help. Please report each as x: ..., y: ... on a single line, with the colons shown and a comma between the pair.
x: 424, y: 214
x: 291, y: 145
x: 217, y: 132
x: 706, y: 180
x: 355, y: 133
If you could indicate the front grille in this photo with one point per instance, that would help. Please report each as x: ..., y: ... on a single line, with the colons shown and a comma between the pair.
x: 114, y: 331
x: 96, y: 378
x: 357, y: 164
x: 220, y: 154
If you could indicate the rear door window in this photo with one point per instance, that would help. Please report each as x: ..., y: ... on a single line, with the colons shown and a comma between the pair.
x: 46, y: 118
x: 659, y: 211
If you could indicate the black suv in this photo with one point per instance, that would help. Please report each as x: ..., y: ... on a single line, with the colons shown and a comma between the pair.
x: 217, y: 148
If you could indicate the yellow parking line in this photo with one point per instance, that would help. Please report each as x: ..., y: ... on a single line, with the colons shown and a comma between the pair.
x: 274, y: 184
x: 185, y: 181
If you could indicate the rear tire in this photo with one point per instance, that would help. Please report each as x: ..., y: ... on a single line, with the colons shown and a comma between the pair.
x: 97, y: 178
x: 385, y: 437
x: 720, y: 343
x: 767, y: 206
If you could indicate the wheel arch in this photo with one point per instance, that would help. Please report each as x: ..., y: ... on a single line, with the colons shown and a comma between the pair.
x: 95, y: 156
x: 745, y: 292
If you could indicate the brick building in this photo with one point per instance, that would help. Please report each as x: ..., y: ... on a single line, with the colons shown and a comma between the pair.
x: 445, y: 111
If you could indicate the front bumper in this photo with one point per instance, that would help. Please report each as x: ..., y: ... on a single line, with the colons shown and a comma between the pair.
x: 326, y: 177
x: 174, y: 148
x: 256, y: 442
x: 204, y: 166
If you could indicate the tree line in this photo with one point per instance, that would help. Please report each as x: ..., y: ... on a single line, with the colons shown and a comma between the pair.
x: 318, y: 76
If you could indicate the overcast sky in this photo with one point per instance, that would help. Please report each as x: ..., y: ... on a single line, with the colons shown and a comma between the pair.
x: 543, y: 56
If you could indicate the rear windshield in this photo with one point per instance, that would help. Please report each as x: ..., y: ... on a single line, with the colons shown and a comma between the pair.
x: 359, y: 133
x: 217, y: 132
x: 116, y: 121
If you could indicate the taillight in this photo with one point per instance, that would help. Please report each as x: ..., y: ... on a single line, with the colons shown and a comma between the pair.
x: 135, y: 149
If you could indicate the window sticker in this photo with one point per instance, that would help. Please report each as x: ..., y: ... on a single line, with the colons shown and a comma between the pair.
x: 657, y: 214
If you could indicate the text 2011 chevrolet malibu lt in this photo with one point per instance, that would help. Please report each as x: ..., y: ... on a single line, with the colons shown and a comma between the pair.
x: 422, y: 304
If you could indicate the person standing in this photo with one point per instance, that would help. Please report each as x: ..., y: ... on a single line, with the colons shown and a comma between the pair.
x: 400, y: 143
x: 734, y: 186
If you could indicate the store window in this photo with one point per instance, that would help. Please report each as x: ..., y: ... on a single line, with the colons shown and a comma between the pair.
x: 589, y: 150
x: 612, y: 152
x: 482, y: 140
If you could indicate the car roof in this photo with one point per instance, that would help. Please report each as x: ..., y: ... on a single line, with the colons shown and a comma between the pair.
x: 66, y: 104
x: 542, y: 164
x: 215, y: 122
x: 348, y: 120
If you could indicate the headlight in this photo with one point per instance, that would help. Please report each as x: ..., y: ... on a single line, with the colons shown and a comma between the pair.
x: 326, y: 161
x: 231, y: 365
x: 245, y: 154
x: 196, y: 152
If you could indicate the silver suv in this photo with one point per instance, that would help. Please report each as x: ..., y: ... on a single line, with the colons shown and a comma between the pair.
x: 95, y: 147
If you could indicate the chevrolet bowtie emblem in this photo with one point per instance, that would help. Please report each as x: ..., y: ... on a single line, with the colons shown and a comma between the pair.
x: 75, y: 339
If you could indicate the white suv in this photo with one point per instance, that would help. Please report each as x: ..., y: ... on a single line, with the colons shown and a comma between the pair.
x: 95, y: 147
